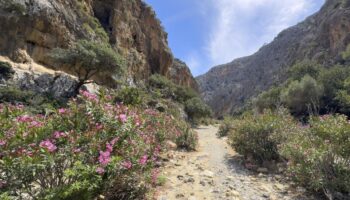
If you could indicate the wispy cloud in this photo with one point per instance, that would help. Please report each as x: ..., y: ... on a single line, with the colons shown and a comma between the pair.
x: 242, y: 26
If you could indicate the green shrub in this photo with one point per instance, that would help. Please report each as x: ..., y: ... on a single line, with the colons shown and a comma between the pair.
x: 182, y: 94
x: 301, y: 69
x: 259, y: 135
x: 268, y: 100
x: 130, y: 96
x: 35, y: 103
x: 226, y: 127
x: 11, y: 6
x: 188, y: 140
x: 12, y: 94
x: 303, y: 97
x: 319, y: 156
x: 333, y: 81
x: 6, y: 70
x: 165, y: 86
x: 196, y: 109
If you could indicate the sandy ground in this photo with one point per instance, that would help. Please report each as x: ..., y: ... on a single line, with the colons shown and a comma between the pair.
x: 214, y: 171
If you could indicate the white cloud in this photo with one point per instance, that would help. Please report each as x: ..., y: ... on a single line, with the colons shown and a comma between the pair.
x: 242, y: 26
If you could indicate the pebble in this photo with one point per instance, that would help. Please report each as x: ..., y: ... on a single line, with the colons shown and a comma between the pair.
x: 208, y: 174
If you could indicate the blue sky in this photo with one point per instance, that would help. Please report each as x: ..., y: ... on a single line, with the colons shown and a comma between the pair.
x: 206, y: 33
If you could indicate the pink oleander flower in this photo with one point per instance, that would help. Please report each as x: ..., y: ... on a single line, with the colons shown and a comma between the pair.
x: 2, y: 142
x: 99, y: 126
x: 58, y: 134
x: 154, y: 176
x: 89, y: 96
x: 77, y: 150
x: 109, y: 147
x: 100, y: 170
x: 19, y: 107
x: 104, y: 158
x: 35, y: 124
x: 143, y: 160
x: 24, y: 118
x: 127, y: 164
x: 123, y: 118
x: 47, y: 144
x: 62, y: 111
x: 115, y: 140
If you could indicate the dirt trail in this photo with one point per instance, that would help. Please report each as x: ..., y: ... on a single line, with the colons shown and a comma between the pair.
x: 214, y: 172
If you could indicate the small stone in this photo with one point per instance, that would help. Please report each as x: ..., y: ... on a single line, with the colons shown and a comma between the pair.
x: 180, y: 177
x: 231, y: 178
x: 189, y: 180
x: 170, y: 145
x: 101, y: 197
x: 178, y: 196
x: 192, y: 198
x: 262, y: 170
x: 208, y: 174
x: 202, y: 183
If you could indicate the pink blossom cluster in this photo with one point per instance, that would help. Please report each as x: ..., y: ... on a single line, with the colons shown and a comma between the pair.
x: 47, y: 144
x: 89, y: 96
x: 58, y: 134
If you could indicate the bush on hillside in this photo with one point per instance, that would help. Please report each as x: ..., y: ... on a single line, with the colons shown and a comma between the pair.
x: 197, y: 109
x: 259, y: 135
x: 268, y: 100
x: 301, y: 69
x: 182, y: 94
x: 93, y: 147
x: 333, y: 81
x: 319, y: 156
x: 129, y: 96
x: 6, y: 70
x: 303, y: 97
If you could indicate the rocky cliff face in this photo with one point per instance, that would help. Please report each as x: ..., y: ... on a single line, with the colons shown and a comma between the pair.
x: 30, y: 29
x: 181, y: 74
x: 321, y: 37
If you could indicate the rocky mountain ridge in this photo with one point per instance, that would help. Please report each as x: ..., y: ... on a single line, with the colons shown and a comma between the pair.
x: 321, y: 37
x: 30, y: 29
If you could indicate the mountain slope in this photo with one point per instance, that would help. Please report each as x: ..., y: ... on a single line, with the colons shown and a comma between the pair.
x: 321, y: 37
x: 30, y: 29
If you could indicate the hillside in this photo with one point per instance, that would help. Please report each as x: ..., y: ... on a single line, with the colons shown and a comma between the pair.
x: 30, y: 29
x: 321, y: 37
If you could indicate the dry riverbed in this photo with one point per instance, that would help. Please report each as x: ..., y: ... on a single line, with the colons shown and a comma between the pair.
x: 214, y: 171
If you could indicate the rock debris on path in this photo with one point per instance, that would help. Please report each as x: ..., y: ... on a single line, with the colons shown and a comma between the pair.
x: 214, y: 172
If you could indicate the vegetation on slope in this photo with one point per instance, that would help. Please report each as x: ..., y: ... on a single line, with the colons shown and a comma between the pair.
x: 92, y: 147
x: 303, y: 123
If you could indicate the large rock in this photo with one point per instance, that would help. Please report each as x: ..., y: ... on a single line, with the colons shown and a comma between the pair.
x: 321, y: 37
x: 180, y: 74
x: 61, y: 86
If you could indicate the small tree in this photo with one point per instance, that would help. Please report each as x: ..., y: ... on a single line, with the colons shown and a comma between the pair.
x: 303, y: 97
x: 196, y: 109
x: 88, y: 58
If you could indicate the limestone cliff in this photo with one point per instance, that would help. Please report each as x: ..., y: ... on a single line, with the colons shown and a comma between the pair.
x: 181, y: 74
x: 30, y: 29
x: 321, y: 37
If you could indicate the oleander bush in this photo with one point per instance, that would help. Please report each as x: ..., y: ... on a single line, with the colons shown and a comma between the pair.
x: 92, y: 147
x: 259, y: 135
x: 319, y: 156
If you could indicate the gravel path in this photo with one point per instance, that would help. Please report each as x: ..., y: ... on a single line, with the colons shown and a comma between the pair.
x: 214, y: 172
